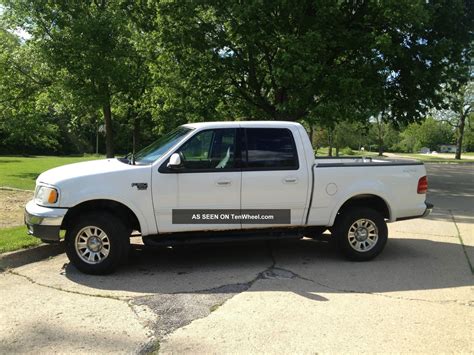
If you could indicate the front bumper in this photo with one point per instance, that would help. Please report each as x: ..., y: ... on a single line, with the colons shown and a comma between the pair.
x: 44, y: 222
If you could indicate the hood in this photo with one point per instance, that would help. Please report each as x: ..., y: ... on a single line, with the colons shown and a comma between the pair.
x: 89, y: 168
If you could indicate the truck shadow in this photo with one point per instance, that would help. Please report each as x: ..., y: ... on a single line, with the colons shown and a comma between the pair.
x: 305, y: 267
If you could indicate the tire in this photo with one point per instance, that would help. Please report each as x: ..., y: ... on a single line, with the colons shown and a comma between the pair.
x: 361, y: 233
x: 97, y: 243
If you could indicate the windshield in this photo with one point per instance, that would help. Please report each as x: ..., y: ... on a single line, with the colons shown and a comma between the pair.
x: 161, y: 146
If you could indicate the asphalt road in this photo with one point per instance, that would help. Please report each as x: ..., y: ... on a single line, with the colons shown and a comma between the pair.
x: 417, y: 296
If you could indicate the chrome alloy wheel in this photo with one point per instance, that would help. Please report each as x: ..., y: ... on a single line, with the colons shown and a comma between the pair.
x: 92, y: 245
x: 363, y: 235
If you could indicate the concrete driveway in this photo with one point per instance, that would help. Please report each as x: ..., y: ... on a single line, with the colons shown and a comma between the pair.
x: 276, y: 297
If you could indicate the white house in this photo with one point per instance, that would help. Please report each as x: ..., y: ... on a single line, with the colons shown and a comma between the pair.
x: 447, y: 148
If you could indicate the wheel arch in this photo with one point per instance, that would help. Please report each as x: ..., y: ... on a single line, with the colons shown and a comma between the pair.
x: 114, y: 207
x: 367, y: 200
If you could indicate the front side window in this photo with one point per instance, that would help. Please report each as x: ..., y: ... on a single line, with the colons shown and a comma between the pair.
x: 156, y: 150
x: 209, y: 150
x: 271, y: 149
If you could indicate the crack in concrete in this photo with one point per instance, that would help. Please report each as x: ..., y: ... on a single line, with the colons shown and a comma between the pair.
x: 178, y: 309
x: 116, y: 298
x: 175, y: 312
x: 462, y: 242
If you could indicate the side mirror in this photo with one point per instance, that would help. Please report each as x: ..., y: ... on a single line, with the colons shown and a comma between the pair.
x: 175, y: 161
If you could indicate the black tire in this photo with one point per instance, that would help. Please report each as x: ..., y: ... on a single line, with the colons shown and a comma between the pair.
x: 364, y: 219
x: 118, y: 240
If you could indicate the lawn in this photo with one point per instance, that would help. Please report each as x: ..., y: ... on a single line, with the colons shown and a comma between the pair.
x: 16, y: 238
x: 21, y: 172
x: 467, y: 157
x: 434, y: 158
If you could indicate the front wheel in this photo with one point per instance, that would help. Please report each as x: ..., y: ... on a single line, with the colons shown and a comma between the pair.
x: 97, y: 243
x: 361, y: 233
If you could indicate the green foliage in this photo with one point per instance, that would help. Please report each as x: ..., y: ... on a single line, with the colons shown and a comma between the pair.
x: 89, y: 46
x: 142, y: 68
x: 347, y: 151
x: 318, y: 61
x: 431, y: 133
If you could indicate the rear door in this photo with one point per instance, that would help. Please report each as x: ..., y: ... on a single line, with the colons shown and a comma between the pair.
x: 273, y: 175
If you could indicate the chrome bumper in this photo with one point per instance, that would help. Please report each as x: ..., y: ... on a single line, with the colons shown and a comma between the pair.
x: 44, y: 222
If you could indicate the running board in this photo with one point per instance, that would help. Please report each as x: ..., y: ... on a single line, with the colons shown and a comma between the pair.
x: 188, y: 238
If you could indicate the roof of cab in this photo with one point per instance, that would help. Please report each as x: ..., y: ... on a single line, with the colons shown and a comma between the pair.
x: 230, y: 124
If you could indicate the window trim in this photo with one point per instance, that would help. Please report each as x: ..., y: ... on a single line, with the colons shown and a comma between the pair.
x: 245, y: 166
x: 237, y: 156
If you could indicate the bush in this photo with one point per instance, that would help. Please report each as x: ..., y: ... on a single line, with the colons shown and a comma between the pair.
x: 347, y: 151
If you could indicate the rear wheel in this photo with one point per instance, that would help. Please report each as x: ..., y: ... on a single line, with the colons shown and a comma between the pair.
x: 97, y: 243
x: 361, y: 233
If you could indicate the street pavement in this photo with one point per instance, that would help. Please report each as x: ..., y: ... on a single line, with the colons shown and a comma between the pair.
x: 280, y: 297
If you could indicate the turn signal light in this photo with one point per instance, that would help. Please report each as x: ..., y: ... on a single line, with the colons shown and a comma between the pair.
x: 53, y: 196
x: 422, y: 185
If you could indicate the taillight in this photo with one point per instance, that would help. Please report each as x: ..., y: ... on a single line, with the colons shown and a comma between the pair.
x: 422, y: 185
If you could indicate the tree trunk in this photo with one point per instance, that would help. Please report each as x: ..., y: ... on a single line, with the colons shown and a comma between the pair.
x: 330, y: 144
x: 380, y: 131
x: 380, y: 138
x: 461, y: 126
x: 337, y: 151
x: 136, y: 133
x: 109, y: 139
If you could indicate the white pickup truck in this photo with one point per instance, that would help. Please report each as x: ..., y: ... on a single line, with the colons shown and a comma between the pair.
x: 221, y: 181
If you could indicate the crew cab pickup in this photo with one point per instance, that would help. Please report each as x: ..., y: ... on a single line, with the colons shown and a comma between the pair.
x: 220, y: 181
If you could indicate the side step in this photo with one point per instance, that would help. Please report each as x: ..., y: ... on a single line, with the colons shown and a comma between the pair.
x: 189, y: 238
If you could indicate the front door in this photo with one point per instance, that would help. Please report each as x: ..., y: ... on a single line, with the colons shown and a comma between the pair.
x: 209, y: 178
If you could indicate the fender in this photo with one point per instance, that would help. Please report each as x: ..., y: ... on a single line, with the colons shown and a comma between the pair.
x: 144, y: 226
x: 360, y: 189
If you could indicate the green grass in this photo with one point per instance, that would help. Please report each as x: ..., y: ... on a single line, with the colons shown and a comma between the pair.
x: 16, y: 238
x: 433, y: 158
x: 21, y: 172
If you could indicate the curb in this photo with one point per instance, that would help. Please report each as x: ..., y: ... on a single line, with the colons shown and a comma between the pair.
x: 22, y: 257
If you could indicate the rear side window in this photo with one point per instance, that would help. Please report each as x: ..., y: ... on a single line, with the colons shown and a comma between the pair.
x: 271, y: 149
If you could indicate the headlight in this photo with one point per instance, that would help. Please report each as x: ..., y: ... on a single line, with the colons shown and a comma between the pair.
x: 46, y: 195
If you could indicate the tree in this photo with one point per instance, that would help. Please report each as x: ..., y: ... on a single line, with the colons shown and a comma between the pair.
x: 430, y: 133
x: 382, y: 133
x: 24, y: 126
x: 291, y: 61
x: 460, y: 104
x: 88, y: 43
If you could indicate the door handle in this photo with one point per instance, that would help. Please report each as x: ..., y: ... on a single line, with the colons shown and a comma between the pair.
x: 223, y: 182
x: 290, y: 180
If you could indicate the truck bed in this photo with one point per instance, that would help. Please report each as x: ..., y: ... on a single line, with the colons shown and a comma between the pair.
x: 337, y: 180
